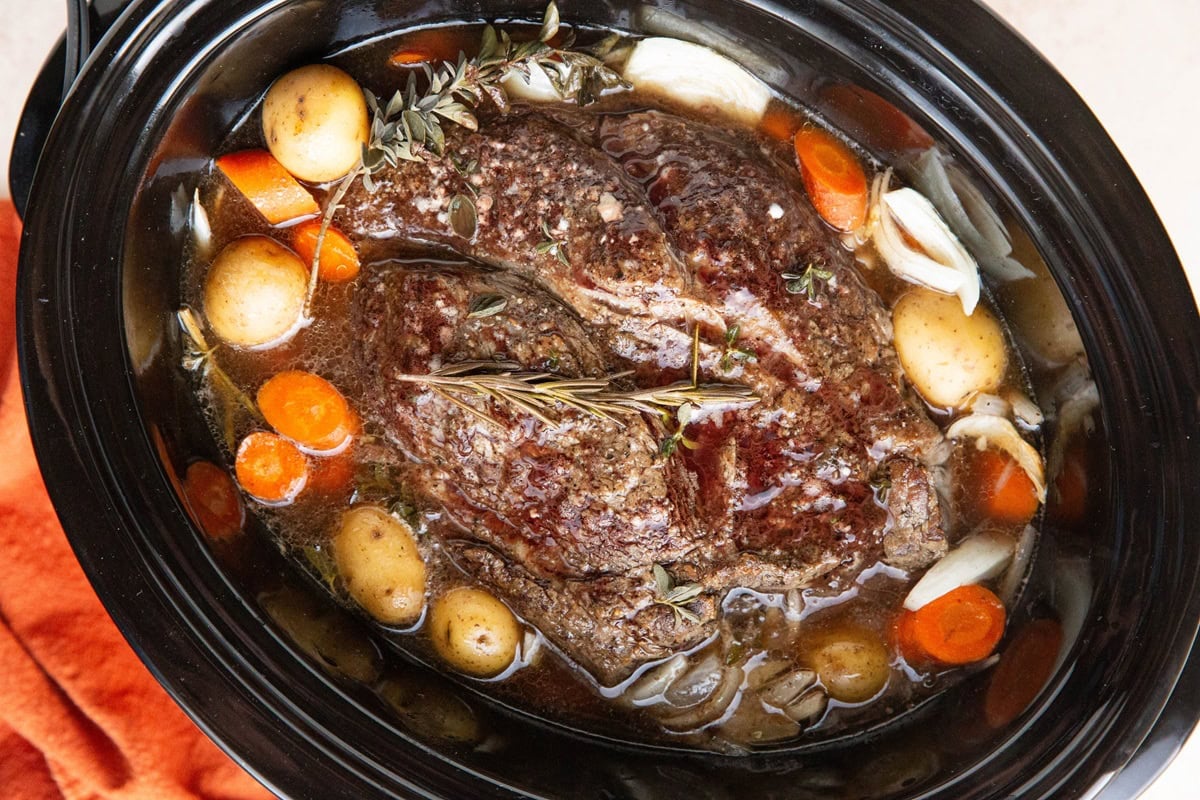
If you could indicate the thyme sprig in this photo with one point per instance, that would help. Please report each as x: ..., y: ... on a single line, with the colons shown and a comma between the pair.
x: 540, y: 394
x: 199, y: 357
x: 410, y: 124
x: 676, y: 597
x: 732, y: 352
x: 806, y: 282
x: 552, y: 245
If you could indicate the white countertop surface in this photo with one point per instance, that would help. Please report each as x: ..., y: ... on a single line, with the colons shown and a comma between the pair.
x: 1136, y: 64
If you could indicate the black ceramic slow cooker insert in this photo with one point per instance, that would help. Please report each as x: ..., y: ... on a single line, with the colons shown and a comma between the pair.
x: 99, y: 352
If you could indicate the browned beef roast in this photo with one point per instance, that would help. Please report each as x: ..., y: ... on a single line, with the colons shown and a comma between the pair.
x: 574, y: 515
x: 663, y: 225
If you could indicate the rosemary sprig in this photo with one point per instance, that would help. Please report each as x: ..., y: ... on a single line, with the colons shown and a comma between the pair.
x: 539, y: 394
x: 676, y: 597
x: 806, y: 282
x: 409, y: 125
x: 487, y: 305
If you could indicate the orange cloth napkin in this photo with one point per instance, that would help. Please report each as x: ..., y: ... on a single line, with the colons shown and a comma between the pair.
x: 80, y: 716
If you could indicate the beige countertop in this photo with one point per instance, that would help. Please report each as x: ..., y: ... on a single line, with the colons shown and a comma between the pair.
x: 1130, y: 61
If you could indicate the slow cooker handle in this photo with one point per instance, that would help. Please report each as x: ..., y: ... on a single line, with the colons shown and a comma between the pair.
x: 86, y: 23
x: 77, y: 40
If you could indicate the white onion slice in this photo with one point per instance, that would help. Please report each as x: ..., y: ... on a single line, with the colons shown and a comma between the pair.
x: 939, y: 261
x: 1000, y: 433
x: 697, y: 77
x: 653, y: 683
x: 537, y: 88
x: 976, y: 559
x: 969, y: 215
x: 1024, y: 410
x: 710, y: 709
x: 1026, y: 544
x: 984, y: 403
x: 201, y: 229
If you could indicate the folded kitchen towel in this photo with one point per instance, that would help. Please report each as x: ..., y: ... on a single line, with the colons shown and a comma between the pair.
x: 80, y: 716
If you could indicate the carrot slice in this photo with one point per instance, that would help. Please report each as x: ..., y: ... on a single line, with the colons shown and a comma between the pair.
x: 780, y: 122
x: 270, y: 468
x: 870, y: 119
x: 213, y: 498
x: 833, y: 177
x: 1071, y: 488
x: 339, y: 260
x: 1025, y: 667
x: 960, y: 627
x: 267, y: 185
x: 1004, y: 491
x: 307, y: 409
x: 426, y: 45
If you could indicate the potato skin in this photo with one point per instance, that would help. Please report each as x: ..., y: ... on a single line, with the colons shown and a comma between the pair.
x: 254, y: 292
x: 852, y: 664
x: 378, y: 560
x: 474, y: 632
x: 947, y: 355
x: 315, y: 122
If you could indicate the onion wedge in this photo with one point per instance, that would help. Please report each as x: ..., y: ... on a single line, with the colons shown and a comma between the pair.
x: 982, y: 556
x: 1000, y: 433
x: 938, y: 261
x: 537, y: 88
x: 969, y: 215
x: 697, y: 77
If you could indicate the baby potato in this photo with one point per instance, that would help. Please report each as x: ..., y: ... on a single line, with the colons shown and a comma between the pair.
x: 315, y: 122
x: 254, y: 293
x: 377, y: 557
x: 852, y: 664
x: 947, y: 355
x: 474, y: 632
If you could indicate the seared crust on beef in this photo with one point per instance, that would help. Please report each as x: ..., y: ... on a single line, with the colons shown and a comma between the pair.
x: 666, y: 225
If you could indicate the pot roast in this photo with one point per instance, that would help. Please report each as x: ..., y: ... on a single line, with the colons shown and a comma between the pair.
x: 611, y: 238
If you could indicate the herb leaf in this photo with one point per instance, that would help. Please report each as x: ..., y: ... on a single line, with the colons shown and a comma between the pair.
x: 487, y: 305
x: 541, y: 394
x: 553, y: 246
x: 676, y: 596
x: 463, y: 218
x: 806, y: 282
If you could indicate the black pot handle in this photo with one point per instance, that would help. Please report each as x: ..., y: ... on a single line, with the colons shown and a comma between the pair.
x: 86, y: 23
x: 77, y: 41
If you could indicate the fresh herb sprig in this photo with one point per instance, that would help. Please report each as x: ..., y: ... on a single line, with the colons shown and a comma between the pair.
x: 806, y: 282
x: 540, y: 394
x: 732, y: 352
x: 552, y: 245
x: 410, y: 125
x: 199, y: 357
x: 676, y: 597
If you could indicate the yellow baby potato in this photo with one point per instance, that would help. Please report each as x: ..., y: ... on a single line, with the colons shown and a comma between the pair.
x: 315, y: 122
x: 254, y: 292
x: 377, y: 557
x: 852, y: 664
x: 474, y: 632
x: 945, y: 354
